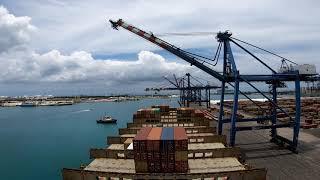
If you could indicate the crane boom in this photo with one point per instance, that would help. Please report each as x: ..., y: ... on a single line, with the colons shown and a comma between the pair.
x: 167, y: 46
x: 176, y: 85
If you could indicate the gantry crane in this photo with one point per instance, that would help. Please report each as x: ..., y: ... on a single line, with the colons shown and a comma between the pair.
x: 230, y: 75
x: 189, y: 91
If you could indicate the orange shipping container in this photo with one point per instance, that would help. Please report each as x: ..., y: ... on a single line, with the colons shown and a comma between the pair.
x: 153, y: 139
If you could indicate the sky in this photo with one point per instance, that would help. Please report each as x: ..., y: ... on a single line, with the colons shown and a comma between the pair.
x: 68, y: 47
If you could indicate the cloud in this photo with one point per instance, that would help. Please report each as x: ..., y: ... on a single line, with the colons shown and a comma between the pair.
x: 82, y: 25
x: 81, y: 67
x: 14, y: 31
x: 64, y: 37
x: 24, y: 65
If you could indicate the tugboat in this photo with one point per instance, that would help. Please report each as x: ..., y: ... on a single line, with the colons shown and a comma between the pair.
x: 106, y: 119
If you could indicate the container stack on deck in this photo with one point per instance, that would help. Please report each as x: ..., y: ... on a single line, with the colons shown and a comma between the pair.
x: 161, y: 150
x: 139, y: 150
x: 165, y: 114
x: 167, y: 143
x: 181, y: 149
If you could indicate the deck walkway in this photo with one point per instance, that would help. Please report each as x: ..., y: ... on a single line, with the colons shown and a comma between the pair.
x: 282, y: 163
x: 208, y: 165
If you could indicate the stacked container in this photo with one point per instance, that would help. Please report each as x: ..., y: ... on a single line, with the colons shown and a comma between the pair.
x: 151, y: 115
x: 139, y: 150
x: 163, y: 108
x: 167, y: 150
x: 153, y: 149
x: 185, y: 114
x: 181, y: 149
x: 162, y: 150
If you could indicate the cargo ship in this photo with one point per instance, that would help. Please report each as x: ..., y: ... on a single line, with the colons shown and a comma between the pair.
x: 167, y: 143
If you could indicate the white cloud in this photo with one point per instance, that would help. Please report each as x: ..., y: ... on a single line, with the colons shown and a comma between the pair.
x: 78, y: 30
x: 24, y: 65
x: 81, y: 67
x: 14, y: 31
x: 83, y: 25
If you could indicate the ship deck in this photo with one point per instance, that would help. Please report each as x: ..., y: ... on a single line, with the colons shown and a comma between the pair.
x: 208, y: 165
x: 280, y: 162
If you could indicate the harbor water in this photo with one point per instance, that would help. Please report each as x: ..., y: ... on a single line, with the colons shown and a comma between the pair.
x: 37, y: 142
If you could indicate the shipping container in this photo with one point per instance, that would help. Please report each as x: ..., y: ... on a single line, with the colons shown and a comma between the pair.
x: 153, y: 139
x: 139, y: 141
x: 181, y: 139
x: 139, y: 144
x: 167, y: 140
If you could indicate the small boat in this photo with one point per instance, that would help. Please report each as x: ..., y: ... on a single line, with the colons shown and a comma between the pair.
x: 106, y: 119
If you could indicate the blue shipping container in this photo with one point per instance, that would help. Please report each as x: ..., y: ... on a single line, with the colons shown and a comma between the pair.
x: 167, y: 133
x: 167, y: 140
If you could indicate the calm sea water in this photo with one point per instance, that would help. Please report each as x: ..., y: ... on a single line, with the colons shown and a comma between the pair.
x: 37, y: 142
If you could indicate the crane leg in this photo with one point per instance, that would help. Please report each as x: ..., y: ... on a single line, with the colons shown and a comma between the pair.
x: 234, y: 113
x: 220, y: 120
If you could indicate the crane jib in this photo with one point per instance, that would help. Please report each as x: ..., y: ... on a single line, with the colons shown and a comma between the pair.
x: 167, y: 46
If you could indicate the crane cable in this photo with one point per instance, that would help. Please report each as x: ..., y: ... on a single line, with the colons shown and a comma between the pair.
x: 264, y: 50
x: 197, y: 80
x: 216, y: 56
x: 212, y: 33
x: 205, y: 80
x: 193, y: 54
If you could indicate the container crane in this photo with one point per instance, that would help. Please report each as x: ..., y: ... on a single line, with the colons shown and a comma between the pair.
x: 230, y: 75
x: 189, y: 91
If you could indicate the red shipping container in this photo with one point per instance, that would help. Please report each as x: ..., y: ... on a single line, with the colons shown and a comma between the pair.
x: 153, y: 145
x: 181, y: 145
x: 141, y: 137
x: 181, y: 139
